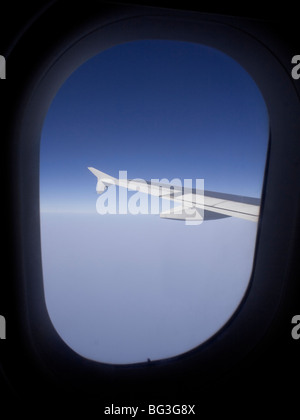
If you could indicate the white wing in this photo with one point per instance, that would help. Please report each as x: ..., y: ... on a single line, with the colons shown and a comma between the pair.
x: 194, y: 204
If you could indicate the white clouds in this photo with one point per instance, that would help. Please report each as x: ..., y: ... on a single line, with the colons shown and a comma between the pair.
x: 139, y: 286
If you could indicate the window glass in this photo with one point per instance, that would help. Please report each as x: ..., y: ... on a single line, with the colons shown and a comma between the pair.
x: 125, y: 288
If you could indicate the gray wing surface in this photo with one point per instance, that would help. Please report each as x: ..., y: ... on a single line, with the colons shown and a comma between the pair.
x: 189, y: 204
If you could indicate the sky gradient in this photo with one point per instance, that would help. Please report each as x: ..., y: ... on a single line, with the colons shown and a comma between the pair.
x: 138, y: 287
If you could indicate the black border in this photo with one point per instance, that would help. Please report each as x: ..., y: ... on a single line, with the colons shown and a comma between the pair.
x: 33, y: 349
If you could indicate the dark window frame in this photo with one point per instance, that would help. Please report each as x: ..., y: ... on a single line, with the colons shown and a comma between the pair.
x: 84, y: 37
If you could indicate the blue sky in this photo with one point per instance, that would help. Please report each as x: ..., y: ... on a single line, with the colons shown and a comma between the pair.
x: 146, y: 287
x: 158, y: 109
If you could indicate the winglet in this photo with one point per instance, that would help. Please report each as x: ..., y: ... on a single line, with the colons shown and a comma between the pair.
x: 95, y: 172
x: 104, y: 180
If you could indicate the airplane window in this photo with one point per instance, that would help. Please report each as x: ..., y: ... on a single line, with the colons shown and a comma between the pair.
x: 122, y: 284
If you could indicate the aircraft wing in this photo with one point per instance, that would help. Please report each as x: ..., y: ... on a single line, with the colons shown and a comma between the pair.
x: 192, y: 204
